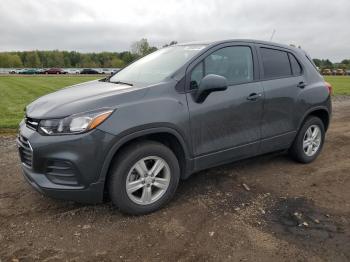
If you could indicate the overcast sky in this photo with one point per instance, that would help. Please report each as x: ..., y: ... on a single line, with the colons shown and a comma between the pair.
x: 321, y: 27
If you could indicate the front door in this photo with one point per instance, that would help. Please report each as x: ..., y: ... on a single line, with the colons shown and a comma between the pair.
x: 226, y: 126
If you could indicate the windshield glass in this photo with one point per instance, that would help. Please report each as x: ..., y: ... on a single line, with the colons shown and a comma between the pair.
x: 155, y: 67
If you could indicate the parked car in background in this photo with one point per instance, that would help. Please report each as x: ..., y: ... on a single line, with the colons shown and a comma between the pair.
x: 177, y: 111
x: 106, y: 71
x: 55, y: 71
x: 348, y: 72
x: 16, y: 71
x: 340, y: 72
x: 89, y: 71
x: 72, y: 70
x: 326, y: 72
x: 41, y: 70
x: 29, y: 71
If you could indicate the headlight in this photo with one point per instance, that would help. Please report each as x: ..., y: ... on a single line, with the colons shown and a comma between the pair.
x: 74, y: 124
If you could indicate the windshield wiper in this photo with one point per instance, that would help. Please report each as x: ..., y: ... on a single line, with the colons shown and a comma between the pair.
x: 120, y: 82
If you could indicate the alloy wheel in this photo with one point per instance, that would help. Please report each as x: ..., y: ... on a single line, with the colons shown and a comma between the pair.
x: 312, y: 140
x: 148, y: 180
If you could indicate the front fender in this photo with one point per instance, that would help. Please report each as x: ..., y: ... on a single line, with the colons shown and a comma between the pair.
x: 139, y: 132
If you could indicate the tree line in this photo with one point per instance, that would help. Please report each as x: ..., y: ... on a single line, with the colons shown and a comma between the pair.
x: 56, y: 58
x: 327, y: 64
x: 66, y: 59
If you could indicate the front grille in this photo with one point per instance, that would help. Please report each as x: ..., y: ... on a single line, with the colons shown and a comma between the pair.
x: 32, y: 123
x: 25, y: 150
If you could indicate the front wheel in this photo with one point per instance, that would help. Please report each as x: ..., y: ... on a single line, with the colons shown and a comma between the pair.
x: 309, y: 141
x: 143, y: 178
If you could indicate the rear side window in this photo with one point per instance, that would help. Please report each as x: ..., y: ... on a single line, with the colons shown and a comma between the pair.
x: 296, y: 68
x: 275, y: 63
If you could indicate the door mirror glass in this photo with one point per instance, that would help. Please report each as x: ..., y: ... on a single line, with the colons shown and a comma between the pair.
x: 210, y: 83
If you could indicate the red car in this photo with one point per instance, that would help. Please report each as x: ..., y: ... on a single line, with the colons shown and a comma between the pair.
x: 55, y: 71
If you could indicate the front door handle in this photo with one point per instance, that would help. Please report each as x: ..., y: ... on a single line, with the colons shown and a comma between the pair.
x: 254, y: 96
x: 301, y: 84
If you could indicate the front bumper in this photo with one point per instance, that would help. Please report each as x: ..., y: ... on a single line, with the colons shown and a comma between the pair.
x: 65, y: 167
x: 91, y: 194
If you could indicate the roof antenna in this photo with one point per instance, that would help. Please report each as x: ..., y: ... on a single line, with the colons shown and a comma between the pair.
x: 272, y: 35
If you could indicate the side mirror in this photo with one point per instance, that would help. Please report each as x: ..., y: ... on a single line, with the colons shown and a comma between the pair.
x: 209, y: 83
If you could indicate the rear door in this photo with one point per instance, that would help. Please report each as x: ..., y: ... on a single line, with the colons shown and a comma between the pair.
x: 226, y: 126
x: 282, y: 81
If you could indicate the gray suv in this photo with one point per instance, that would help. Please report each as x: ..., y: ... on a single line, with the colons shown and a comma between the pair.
x: 179, y: 110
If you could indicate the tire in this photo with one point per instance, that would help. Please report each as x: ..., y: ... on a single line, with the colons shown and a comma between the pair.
x: 123, y: 173
x: 297, y: 150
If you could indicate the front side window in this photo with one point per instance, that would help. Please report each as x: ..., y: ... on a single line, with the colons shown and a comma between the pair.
x: 196, y: 75
x: 157, y: 66
x: 275, y: 63
x: 235, y: 63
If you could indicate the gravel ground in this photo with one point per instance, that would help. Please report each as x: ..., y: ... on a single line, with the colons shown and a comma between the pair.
x: 291, y: 212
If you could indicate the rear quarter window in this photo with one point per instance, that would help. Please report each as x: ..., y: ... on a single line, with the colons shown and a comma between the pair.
x: 312, y: 63
x: 296, y: 67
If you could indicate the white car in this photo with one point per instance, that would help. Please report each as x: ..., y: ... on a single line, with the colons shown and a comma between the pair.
x: 16, y: 71
x: 72, y: 70
x: 108, y: 71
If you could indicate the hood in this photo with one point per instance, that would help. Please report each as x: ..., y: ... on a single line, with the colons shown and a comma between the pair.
x: 81, y: 98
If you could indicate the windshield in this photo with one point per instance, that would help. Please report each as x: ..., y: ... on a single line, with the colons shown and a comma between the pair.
x: 155, y: 67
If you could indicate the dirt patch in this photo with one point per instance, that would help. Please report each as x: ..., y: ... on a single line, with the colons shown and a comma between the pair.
x: 300, y: 222
x: 212, y: 218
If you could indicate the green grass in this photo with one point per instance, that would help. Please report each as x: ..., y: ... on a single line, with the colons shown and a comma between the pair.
x: 341, y: 84
x: 18, y: 91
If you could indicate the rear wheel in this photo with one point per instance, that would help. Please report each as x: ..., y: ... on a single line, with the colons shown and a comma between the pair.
x: 309, y: 141
x: 144, y: 178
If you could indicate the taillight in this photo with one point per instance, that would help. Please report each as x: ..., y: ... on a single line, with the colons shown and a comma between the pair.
x: 330, y: 88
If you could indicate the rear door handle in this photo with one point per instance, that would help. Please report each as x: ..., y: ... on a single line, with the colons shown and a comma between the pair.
x: 301, y: 84
x: 254, y: 96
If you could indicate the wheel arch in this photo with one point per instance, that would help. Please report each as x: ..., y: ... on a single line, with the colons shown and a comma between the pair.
x: 165, y: 135
x: 320, y: 112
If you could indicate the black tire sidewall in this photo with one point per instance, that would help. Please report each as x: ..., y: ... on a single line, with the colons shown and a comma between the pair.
x: 298, y: 147
x: 123, y: 164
